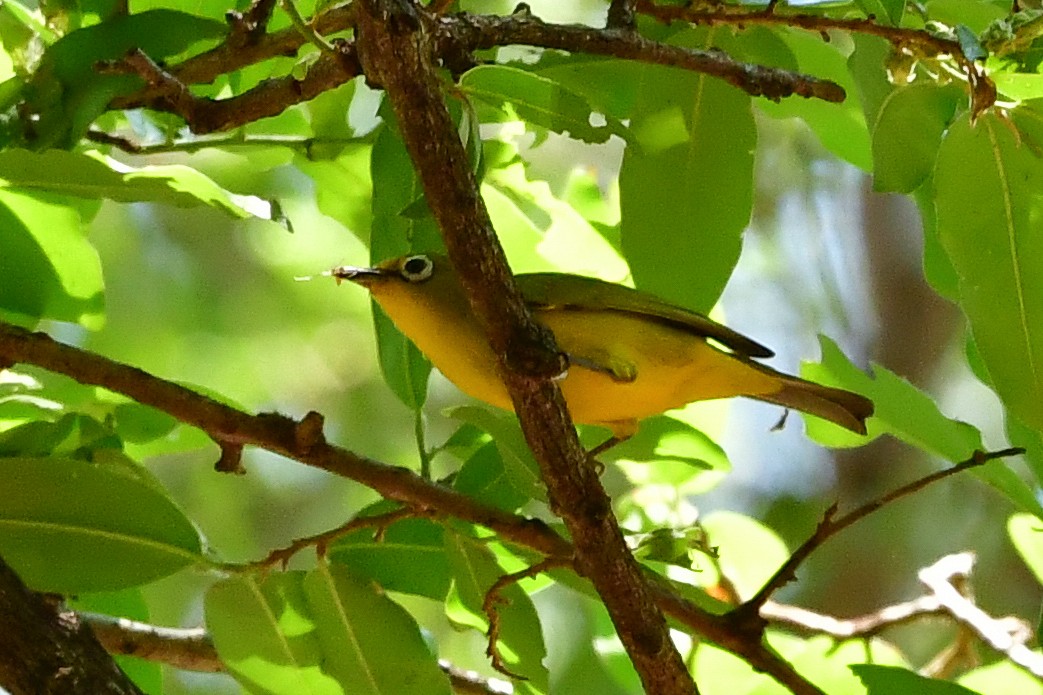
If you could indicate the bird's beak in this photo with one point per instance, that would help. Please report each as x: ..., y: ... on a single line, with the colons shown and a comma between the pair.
x: 362, y: 276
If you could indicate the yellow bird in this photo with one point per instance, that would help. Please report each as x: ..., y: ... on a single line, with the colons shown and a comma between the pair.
x: 631, y: 354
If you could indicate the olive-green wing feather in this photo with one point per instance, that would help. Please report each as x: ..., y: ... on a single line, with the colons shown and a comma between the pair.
x: 561, y: 291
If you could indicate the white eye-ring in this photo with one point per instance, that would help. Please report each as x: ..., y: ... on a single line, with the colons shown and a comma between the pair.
x: 417, y: 268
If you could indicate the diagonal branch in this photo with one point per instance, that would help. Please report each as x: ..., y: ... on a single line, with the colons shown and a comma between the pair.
x: 831, y: 526
x: 395, y: 47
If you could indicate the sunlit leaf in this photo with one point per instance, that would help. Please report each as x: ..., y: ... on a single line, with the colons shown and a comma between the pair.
x: 48, y: 269
x: 990, y: 204
x: 907, y: 413
x: 538, y: 100
x: 840, y: 127
x: 371, y: 645
x: 686, y: 184
x: 266, y: 635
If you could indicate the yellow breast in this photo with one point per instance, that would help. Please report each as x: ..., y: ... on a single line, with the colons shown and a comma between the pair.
x: 673, y: 367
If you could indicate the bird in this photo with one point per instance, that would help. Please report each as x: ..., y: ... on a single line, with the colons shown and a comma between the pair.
x: 631, y: 355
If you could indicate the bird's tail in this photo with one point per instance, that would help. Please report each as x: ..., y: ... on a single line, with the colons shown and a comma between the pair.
x: 844, y: 408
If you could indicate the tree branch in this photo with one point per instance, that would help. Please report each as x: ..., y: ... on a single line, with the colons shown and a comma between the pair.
x: 395, y: 44
x: 485, y: 31
x: 193, y: 650
x: 275, y: 433
x: 831, y: 526
x: 456, y: 38
x: 45, y: 650
x: 1007, y: 636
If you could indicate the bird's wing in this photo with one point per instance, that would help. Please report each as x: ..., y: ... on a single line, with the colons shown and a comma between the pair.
x: 562, y: 291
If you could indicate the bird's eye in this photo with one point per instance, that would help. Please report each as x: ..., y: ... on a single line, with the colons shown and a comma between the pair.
x: 417, y: 268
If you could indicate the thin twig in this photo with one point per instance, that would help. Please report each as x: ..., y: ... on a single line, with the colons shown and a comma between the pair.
x: 306, y: 29
x: 320, y: 541
x: 830, y: 526
x: 494, y: 598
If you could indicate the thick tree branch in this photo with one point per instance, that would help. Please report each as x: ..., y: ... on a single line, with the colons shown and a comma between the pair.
x: 46, y: 650
x: 395, y: 46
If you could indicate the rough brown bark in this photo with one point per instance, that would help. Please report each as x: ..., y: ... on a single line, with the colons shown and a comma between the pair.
x: 394, y: 48
x: 46, y: 650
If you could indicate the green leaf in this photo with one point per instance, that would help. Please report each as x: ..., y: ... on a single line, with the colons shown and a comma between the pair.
x: 990, y: 207
x: 520, y: 468
x: 936, y: 264
x: 395, y: 189
x: 1026, y: 533
x: 69, y: 526
x: 887, y: 680
x: 608, y: 84
x: 74, y: 174
x: 686, y: 185
x: 749, y: 552
x: 537, y: 99
x: 1018, y: 86
x: 484, y: 478
x: 343, y: 188
x: 141, y: 423
x: 1002, y: 678
x: 520, y: 639
x: 908, y: 132
x: 407, y: 556
x: 840, y: 127
x: 537, y: 227
x: 908, y: 414
x: 266, y: 634
x: 872, y: 83
x: 66, y: 93
x: 372, y: 646
x: 48, y: 269
x: 663, y: 438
